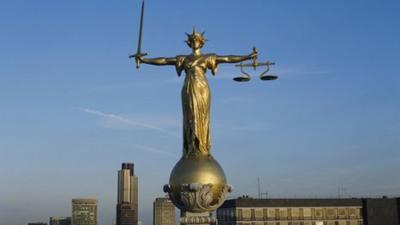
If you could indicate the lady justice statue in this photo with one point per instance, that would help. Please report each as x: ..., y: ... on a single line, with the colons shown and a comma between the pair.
x: 197, y: 183
x: 196, y: 92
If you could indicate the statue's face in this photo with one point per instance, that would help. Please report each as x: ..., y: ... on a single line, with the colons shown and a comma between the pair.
x: 195, y: 40
x: 196, y: 44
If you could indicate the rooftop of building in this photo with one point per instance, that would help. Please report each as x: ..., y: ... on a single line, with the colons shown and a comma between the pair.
x: 163, y: 199
x: 246, y: 201
x: 84, y: 201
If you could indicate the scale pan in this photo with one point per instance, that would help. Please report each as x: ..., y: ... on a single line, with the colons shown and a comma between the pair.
x: 269, y: 77
x: 241, y: 79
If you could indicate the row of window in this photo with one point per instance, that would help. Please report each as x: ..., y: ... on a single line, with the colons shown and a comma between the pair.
x: 249, y: 214
x: 339, y: 222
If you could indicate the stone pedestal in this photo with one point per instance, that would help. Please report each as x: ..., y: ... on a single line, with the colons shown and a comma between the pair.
x: 188, y: 218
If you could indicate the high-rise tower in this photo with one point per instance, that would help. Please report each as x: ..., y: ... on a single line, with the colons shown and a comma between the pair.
x: 60, y: 221
x: 84, y: 211
x: 127, y: 206
x: 163, y: 212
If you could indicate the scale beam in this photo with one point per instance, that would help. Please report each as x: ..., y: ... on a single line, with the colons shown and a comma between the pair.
x: 263, y: 76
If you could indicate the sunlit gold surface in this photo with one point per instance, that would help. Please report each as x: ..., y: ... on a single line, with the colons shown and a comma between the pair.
x: 203, y: 170
x: 197, y: 183
x: 195, y: 92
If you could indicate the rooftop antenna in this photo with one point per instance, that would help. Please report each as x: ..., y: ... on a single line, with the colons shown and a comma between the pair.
x: 342, y: 192
x: 264, y: 194
x: 259, y: 191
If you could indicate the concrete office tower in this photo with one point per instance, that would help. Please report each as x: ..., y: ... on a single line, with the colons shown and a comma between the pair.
x: 84, y: 211
x: 60, y: 221
x: 127, y: 206
x: 163, y: 212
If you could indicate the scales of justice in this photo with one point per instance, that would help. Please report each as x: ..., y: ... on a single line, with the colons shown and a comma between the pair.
x: 197, y: 184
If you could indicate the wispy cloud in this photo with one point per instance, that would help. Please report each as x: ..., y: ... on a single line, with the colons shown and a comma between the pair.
x: 300, y: 70
x: 126, y: 121
x: 153, y: 150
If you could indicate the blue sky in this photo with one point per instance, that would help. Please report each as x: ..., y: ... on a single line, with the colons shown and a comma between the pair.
x: 73, y: 106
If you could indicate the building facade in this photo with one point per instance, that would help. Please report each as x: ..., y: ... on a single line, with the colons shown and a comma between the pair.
x: 379, y: 211
x: 127, y: 205
x: 163, y: 212
x: 60, y: 221
x: 84, y: 211
x: 248, y: 211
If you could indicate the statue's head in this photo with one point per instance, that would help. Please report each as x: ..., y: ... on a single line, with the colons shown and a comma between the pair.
x: 195, y: 40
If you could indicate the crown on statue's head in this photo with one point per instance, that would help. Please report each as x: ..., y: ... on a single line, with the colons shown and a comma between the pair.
x: 195, y: 36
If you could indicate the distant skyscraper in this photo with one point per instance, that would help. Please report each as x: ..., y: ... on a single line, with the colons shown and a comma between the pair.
x: 60, y: 221
x: 84, y: 212
x: 37, y: 223
x: 127, y: 206
x: 163, y: 212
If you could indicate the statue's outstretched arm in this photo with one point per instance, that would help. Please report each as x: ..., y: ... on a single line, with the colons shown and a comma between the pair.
x: 232, y: 58
x: 161, y: 61
x: 236, y: 58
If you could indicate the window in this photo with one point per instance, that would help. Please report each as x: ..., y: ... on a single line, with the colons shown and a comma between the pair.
x: 319, y: 214
x: 307, y: 213
x: 295, y: 213
x: 259, y: 214
x: 331, y: 213
x: 246, y: 214
x: 342, y: 213
x: 271, y: 213
x: 283, y: 213
x: 238, y: 214
x: 353, y: 222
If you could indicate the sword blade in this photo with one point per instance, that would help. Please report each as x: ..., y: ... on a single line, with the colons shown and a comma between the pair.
x: 140, y: 31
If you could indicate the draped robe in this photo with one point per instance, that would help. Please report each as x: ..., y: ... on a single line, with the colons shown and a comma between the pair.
x: 196, y: 101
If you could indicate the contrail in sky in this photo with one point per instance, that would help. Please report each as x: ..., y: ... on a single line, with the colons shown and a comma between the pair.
x: 153, y: 150
x: 124, y: 120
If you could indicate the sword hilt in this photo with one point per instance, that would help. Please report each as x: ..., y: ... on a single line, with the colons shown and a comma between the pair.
x: 137, y: 56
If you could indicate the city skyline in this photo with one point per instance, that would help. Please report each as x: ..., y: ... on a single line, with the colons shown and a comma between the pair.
x: 74, y: 107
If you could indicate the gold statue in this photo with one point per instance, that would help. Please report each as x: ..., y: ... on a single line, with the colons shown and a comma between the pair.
x: 197, y: 184
x: 195, y: 92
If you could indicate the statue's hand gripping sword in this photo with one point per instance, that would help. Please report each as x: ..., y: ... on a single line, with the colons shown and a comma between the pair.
x: 139, y: 53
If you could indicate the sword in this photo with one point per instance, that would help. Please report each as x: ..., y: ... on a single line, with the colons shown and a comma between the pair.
x: 138, y: 51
